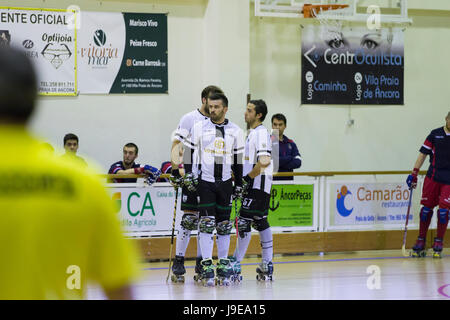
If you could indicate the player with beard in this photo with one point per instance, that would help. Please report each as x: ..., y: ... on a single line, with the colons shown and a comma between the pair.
x: 219, y: 145
x: 257, y: 182
x: 189, y: 199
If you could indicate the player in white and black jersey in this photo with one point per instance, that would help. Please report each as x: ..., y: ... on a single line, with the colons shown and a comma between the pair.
x: 258, y: 171
x: 189, y: 199
x: 220, y: 145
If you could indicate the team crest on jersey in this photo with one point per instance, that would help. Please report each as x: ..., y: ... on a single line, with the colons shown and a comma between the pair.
x: 219, y: 143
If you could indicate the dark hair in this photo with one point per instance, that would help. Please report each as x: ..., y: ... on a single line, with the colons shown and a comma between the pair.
x: 206, y: 93
x: 219, y: 96
x: 132, y: 145
x: 70, y: 136
x: 18, y: 85
x: 260, y: 108
x: 280, y: 117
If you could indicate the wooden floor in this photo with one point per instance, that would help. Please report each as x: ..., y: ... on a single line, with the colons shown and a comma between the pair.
x: 305, y: 277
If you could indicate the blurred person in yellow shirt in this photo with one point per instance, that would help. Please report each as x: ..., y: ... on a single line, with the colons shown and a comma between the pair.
x: 58, y: 225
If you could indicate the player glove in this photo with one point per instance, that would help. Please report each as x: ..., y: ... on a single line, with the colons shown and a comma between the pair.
x: 411, y: 181
x: 238, y: 193
x: 190, y: 182
x: 152, y: 174
x: 175, y: 179
x: 246, y: 183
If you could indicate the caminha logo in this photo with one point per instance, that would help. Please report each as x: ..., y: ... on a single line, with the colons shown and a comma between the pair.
x: 99, y: 54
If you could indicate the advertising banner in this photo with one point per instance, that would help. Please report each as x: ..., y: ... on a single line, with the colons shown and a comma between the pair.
x: 352, y: 65
x: 370, y: 204
x: 146, y: 209
x: 151, y: 209
x: 123, y: 53
x: 291, y: 205
x: 48, y: 40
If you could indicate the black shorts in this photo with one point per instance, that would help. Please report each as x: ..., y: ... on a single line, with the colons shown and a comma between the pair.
x: 189, y: 200
x: 255, y: 204
x: 215, y: 199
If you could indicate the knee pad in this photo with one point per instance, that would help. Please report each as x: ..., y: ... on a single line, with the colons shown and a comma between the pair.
x: 207, y: 224
x: 425, y: 214
x: 189, y: 221
x: 224, y: 227
x: 443, y: 216
x: 261, y: 224
x: 243, y: 225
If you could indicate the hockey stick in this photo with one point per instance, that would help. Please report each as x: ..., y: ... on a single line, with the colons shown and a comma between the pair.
x: 173, y: 232
x: 405, y: 254
x: 236, y: 216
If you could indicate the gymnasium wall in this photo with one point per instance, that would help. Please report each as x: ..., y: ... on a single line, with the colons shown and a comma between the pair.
x: 207, y: 44
x: 221, y: 42
x: 382, y: 137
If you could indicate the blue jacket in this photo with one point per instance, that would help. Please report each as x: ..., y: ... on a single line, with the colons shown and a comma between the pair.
x: 289, y: 158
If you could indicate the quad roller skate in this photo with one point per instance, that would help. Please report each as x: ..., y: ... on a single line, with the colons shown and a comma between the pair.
x: 207, y: 275
x: 224, y: 272
x: 437, y: 248
x: 178, y: 270
x: 264, y: 271
x: 236, y: 269
x: 418, y: 250
x: 198, y: 269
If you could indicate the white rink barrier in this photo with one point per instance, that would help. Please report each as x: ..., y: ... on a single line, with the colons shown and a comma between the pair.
x: 307, y: 204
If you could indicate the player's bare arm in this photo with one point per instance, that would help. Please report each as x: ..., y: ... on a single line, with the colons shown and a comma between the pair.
x: 263, y: 162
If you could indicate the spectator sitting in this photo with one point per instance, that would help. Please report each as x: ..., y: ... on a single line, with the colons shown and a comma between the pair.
x: 129, y: 166
x: 166, y: 168
x: 71, y: 147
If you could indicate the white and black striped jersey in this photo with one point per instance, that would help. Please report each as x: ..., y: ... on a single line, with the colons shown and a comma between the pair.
x: 187, y: 122
x: 220, y: 148
x: 183, y: 132
x: 258, y: 144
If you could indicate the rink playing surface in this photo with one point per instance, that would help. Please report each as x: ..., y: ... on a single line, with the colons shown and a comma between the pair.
x: 348, y: 276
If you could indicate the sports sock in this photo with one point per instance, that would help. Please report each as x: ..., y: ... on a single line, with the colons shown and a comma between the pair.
x: 206, y: 245
x: 442, y: 223
x: 199, y: 251
x: 242, y: 246
x: 425, y: 220
x: 223, y: 245
x: 182, y: 241
x: 266, y: 244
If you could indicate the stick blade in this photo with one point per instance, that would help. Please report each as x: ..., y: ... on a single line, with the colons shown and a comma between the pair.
x: 405, y: 254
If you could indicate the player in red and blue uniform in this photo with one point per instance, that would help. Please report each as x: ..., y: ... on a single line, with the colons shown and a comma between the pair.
x: 289, y: 157
x: 436, y: 187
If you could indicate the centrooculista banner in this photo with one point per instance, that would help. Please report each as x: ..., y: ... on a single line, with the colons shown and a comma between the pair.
x: 47, y: 38
x: 123, y: 53
x: 343, y: 65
